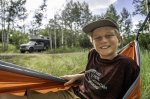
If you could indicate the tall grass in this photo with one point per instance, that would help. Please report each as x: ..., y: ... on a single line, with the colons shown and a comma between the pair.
x: 11, y: 49
x: 55, y: 64
x: 145, y: 74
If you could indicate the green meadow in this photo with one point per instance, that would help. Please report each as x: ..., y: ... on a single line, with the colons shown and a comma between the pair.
x: 145, y: 74
x: 70, y: 63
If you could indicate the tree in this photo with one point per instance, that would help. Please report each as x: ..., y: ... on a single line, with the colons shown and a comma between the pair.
x: 111, y: 12
x: 75, y: 16
x: 39, y: 16
x: 2, y: 16
x: 86, y: 15
x: 140, y: 7
x: 18, y: 38
x: 125, y: 22
x: 56, y: 26
x: 50, y: 31
x: 16, y: 10
x: 148, y: 5
x: 11, y: 11
x: 54, y: 32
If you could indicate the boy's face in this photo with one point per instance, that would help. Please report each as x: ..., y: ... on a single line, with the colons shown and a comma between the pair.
x: 106, y: 42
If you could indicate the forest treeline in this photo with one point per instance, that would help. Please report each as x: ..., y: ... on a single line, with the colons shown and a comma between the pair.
x: 65, y: 28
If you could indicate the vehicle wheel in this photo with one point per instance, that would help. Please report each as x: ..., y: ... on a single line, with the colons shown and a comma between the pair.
x: 44, y: 49
x: 39, y: 50
x: 22, y: 51
x: 31, y: 49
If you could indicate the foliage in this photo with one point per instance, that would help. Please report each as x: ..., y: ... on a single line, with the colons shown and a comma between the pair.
x: 144, y: 40
x: 125, y: 22
x: 11, y: 11
x: 140, y: 7
x: 39, y: 14
x: 76, y: 14
x: 16, y: 9
x: 126, y: 40
x: 11, y: 49
x: 65, y: 50
x: 111, y: 12
x: 64, y: 30
x: 18, y: 38
x: 84, y: 41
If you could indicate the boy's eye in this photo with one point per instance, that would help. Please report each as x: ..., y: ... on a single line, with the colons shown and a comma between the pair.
x: 106, y: 36
x: 98, y: 38
x: 109, y: 36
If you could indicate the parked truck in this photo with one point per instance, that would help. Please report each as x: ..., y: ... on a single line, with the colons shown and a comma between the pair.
x: 36, y: 43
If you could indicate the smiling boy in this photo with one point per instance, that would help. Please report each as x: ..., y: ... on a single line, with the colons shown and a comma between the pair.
x: 108, y: 75
x: 106, y: 42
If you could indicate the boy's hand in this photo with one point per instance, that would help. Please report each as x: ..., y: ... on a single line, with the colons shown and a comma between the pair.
x: 72, y: 78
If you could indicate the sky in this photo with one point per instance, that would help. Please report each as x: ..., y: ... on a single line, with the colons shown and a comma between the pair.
x: 96, y: 7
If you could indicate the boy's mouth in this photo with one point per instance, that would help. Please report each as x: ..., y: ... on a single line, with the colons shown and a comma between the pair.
x: 104, y: 47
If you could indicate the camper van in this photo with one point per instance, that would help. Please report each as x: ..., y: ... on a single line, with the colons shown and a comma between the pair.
x: 36, y: 43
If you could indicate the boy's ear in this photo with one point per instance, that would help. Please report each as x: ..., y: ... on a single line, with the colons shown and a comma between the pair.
x: 120, y: 40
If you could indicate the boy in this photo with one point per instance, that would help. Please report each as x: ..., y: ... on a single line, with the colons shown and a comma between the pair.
x: 107, y: 75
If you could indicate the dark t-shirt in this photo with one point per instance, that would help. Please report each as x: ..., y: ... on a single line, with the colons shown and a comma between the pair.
x: 109, y: 79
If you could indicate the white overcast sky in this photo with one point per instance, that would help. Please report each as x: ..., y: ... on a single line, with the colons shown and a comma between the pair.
x: 96, y: 7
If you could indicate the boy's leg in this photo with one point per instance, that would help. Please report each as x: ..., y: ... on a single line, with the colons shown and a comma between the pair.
x: 66, y: 94
x: 9, y: 96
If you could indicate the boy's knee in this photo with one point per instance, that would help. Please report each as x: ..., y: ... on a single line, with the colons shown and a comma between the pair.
x: 9, y: 96
x: 4, y: 96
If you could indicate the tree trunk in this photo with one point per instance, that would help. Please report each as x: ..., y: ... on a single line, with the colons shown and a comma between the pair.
x: 3, y: 25
x: 62, y: 37
x: 7, y: 36
x: 148, y: 10
x: 50, y: 38
x: 55, y: 38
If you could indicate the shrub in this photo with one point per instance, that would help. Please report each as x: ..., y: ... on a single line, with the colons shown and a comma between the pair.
x: 66, y: 50
x: 144, y: 41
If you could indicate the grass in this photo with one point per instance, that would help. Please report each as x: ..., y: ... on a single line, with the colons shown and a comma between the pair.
x: 145, y: 75
x: 70, y: 63
x: 55, y: 64
x: 11, y: 49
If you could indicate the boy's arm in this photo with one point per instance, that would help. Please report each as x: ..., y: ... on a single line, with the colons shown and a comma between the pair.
x: 72, y: 78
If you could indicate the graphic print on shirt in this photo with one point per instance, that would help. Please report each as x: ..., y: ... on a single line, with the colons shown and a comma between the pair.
x: 93, y: 78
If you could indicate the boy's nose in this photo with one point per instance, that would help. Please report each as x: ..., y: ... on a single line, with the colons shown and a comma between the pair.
x: 104, y: 39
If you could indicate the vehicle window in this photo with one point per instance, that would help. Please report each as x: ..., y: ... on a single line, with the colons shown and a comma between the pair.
x: 31, y: 42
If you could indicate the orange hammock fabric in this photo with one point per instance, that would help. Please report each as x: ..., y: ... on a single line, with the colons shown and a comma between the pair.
x: 16, y: 79
x: 132, y: 50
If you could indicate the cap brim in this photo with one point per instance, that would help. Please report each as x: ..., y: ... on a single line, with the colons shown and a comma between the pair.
x: 100, y: 23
